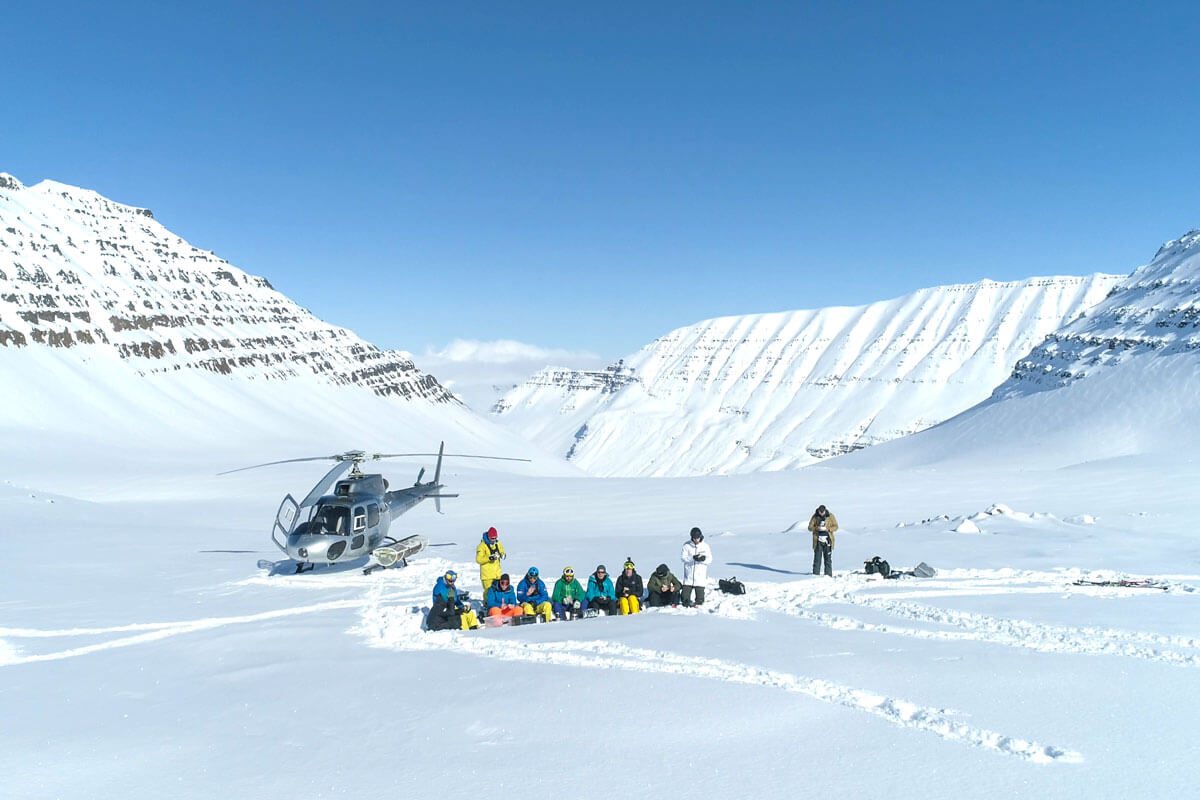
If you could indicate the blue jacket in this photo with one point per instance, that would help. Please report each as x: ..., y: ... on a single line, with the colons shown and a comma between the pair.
x: 442, y: 590
x: 532, y: 593
x: 498, y: 597
x: 600, y: 589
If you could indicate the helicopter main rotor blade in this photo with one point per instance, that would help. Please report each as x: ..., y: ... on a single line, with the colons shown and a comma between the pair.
x: 445, y: 455
x: 285, y: 461
x: 325, y: 484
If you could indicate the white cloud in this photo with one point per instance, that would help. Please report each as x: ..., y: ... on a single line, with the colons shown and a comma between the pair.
x: 479, y: 372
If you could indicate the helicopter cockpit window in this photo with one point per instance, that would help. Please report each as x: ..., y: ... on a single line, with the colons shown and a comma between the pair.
x: 332, y: 519
x: 360, y: 519
x: 373, y: 514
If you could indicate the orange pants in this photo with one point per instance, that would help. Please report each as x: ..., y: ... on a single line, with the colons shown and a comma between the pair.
x: 510, y: 611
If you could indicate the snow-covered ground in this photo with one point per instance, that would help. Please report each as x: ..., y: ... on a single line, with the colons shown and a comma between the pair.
x: 143, y: 653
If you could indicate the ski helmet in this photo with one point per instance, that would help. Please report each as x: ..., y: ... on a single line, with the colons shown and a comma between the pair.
x: 533, y: 572
x: 629, y: 563
x: 450, y: 577
x: 568, y: 572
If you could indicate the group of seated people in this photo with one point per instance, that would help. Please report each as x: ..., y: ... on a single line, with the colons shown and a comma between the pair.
x: 569, y: 600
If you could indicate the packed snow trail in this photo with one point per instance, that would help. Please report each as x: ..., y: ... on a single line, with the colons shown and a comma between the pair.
x: 391, y: 627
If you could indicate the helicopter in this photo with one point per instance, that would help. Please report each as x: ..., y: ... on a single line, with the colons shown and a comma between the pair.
x: 345, y: 518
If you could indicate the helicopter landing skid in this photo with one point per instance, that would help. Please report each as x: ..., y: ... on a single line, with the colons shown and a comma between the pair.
x: 403, y: 562
x: 300, y: 567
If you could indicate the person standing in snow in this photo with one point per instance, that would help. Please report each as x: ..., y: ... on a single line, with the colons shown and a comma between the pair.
x: 532, y: 595
x: 448, y: 612
x: 696, y: 556
x: 629, y: 589
x: 822, y: 525
x: 488, y: 555
x: 569, y: 600
x: 663, y: 587
x: 600, y: 592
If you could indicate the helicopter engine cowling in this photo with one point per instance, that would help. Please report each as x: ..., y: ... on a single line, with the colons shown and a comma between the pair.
x: 317, y: 548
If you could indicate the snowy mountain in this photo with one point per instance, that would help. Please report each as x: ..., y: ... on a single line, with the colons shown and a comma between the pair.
x: 114, y: 328
x: 775, y: 391
x: 1122, y: 380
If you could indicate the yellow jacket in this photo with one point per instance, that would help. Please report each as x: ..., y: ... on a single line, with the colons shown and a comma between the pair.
x: 831, y: 527
x: 489, y: 570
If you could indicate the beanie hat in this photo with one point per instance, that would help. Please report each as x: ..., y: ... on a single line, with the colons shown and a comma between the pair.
x: 492, y: 534
x: 697, y: 535
x: 661, y: 570
x: 504, y: 578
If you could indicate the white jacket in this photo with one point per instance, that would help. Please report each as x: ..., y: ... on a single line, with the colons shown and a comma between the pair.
x: 695, y: 573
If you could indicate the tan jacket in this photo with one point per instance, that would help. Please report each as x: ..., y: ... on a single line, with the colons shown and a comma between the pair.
x: 831, y: 527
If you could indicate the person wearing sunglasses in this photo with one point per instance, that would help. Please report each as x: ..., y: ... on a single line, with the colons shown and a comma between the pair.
x: 502, y: 600
x: 449, y: 612
x: 533, y: 597
x: 629, y: 589
x: 600, y: 592
x: 569, y: 600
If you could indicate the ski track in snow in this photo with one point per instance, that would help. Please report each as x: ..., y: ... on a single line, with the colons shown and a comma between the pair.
x: 391, y: 615
x: 400, y: 629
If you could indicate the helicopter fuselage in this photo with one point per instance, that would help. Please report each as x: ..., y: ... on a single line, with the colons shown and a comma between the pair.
x: 348, y: 524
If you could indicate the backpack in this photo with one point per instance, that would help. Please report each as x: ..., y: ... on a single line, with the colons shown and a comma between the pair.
x: 877, y: 566
x: 731, y: 586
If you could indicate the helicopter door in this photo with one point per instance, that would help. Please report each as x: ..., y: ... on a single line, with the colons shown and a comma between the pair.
x: 285, y: 517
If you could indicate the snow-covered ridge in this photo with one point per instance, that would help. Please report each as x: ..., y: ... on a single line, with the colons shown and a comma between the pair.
x: 1154, y: 310
x: 78, y: 270
x: 780, y: 390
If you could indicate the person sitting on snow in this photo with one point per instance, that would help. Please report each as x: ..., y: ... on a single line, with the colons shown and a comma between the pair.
x: 569, y: 600
x: 448, y: 612
x: 502, y: 600
x: 488, y: 556
x: 600, y: 592
x: 532, y: 595
x: 663, y: 587
x: 629, y: 589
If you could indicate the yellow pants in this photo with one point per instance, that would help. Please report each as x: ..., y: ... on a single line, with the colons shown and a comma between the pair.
x: 630, y: 605
x: 543, y: 608
x: 469, y: 621
x: 487, y: 584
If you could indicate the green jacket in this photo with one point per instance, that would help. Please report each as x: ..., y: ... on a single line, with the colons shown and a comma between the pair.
x: 567, y: 592
x: 666, y: 583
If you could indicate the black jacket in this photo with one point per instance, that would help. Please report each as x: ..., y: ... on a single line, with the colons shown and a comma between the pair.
x: 628, y: 587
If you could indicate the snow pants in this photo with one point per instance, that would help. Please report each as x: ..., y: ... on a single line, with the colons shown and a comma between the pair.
x: 542, y: 608
x: 606, y: 604
x: 507, y: 611
x: 658, y: 599
x: 687, y: 596
x: 826, y: 552
x: 630, y: 605
x: 561, y: 609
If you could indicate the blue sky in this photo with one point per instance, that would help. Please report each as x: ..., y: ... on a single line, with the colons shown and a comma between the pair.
x: 591, y: 176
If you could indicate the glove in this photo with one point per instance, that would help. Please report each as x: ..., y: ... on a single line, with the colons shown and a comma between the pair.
x: 700, y: 558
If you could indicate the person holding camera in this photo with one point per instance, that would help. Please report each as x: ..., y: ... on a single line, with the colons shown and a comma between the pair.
x: 488, y: 556
x: 629, y: 589
x: 449, y: 610
x: 822, y: 526
x: 696, y: 556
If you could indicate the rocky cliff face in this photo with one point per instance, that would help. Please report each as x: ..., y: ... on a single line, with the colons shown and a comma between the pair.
x: 80, y: 271
x: 773, y: 391
x: 1155, y: 311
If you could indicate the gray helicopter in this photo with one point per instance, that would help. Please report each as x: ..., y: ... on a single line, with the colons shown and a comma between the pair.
x: 345, y: 518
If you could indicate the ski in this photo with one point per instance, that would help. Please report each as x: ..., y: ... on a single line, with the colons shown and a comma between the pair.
x: 1125, y: 584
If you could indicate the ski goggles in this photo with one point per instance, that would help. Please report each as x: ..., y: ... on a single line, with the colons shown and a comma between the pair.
x: 568, y: 573
x: 450, y: 577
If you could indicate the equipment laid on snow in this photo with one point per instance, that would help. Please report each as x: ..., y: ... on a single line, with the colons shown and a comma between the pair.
x: 731, y: 586
x: 1145, y: 583
x: 877, y: 566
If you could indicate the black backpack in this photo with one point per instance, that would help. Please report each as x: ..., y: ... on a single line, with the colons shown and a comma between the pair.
x: 731, y: 586
x: 877, y: 566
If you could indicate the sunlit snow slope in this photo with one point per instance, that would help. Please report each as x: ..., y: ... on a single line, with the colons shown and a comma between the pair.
x: 773, y: 391
x: 114, y: 329
x: 1124, y: 380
